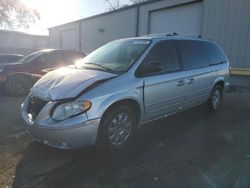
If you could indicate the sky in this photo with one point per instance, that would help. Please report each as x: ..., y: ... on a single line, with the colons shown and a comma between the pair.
x: 56, y: 12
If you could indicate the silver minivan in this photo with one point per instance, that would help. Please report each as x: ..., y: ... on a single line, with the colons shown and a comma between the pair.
x: 107, y: 96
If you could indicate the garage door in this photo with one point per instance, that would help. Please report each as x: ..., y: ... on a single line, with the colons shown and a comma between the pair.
x: 185, y: 20
x: 69, y: 40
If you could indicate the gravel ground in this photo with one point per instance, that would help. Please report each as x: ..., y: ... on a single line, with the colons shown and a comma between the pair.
x: 190, y: 149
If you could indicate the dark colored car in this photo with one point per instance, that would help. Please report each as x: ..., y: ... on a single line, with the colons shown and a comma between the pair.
x: 10, y: 58
x: 17, y: 78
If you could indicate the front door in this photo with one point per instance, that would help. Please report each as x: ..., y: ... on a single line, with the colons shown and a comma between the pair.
x: 163, y: 88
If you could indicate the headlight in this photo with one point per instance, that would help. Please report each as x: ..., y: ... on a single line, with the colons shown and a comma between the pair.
x: 1, y: 69
x: 66, y: 110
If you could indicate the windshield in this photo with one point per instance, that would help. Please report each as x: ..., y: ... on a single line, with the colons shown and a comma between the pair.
x: 30, y: 57
x: 115, y: 56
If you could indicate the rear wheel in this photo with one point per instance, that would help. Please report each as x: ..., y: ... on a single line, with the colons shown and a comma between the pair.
x: 117, y: 127
x: 215, y: 99
x: 18, y: 85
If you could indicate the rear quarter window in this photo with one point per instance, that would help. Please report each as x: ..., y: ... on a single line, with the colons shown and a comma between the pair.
x: 193, y: 54
x: 215, y: 54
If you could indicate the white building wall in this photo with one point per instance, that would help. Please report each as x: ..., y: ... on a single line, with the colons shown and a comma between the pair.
x: 224, y: 21
x: 184, y: 20
x: 18, y: 42
x: 144, y: 22
x: 58, y: 34
x: 99, y: 30
x: 228, y: 23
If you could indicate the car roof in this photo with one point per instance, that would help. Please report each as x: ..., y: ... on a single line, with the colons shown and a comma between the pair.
x: 19, y: 55
x: 61, y: 50
x: 162, y: 36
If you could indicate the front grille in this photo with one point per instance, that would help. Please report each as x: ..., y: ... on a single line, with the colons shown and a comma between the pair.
x: 35, y: 106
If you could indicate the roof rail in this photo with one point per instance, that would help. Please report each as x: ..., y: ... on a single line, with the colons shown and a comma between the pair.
x: 153, y: 35
x: 174, y: 34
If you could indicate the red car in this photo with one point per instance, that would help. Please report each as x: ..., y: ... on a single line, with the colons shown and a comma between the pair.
x: 17, y: 78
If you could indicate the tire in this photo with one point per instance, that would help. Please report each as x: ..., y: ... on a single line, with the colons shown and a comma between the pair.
x: 111, y: 129
x: 18, y: 85
x: 215, y: 99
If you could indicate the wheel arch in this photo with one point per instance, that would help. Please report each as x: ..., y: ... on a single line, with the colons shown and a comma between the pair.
x: 132, y: 103
x: 18, y: 74
x: 219, y: 81
x: 8, y: 86
x: 35, y: 77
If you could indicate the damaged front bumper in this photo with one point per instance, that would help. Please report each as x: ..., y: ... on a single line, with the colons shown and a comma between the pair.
x: 72, y: 133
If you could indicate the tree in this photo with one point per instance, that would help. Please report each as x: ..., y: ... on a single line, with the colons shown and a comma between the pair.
x: 113, y: 4
x: 136, y: 1
x: 14, y: 14
x: 116, y: 4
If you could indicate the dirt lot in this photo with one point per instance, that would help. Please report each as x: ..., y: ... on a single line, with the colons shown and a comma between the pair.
x: 191, y: 149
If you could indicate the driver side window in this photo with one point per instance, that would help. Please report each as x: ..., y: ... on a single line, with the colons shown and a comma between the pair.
x: 163, y: 58
x: 42, y: 60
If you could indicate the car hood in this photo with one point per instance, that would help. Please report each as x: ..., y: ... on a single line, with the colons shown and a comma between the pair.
x: 2, y: 65
x: 67, y: 83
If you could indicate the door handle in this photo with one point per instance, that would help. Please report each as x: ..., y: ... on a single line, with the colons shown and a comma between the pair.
x: 189, y: 80
x: 180, y: 83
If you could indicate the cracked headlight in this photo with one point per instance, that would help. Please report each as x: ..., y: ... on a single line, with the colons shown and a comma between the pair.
x: 69, y: 109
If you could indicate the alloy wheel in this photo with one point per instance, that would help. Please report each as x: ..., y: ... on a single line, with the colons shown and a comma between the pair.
x: 216, y: 98
x: 119, y: 129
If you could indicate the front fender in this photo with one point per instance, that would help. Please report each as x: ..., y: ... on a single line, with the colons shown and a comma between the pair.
x: 100, y: 105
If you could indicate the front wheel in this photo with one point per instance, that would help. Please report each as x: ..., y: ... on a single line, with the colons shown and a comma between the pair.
x: 117, y: 127
x: 215, y: 99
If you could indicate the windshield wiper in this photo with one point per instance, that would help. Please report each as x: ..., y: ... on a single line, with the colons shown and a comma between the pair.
x: 104, y: 68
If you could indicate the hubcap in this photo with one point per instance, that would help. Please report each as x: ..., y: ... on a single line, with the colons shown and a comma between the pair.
x: 119, y: 129
x: 216, y: 99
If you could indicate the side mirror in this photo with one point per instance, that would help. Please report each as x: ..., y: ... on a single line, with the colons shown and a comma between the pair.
x: 150, y: 67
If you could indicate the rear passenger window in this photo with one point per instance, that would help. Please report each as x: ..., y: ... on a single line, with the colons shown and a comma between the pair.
x: 166, y: 54
x: 215, y: 54
x: 193, y: 54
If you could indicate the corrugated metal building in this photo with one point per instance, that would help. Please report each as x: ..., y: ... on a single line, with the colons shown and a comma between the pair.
x: 21, y: 43
x: 225, y: 21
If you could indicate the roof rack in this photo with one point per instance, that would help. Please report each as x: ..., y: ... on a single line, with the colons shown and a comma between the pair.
x: 171, y: 35
x: 174, y: 34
